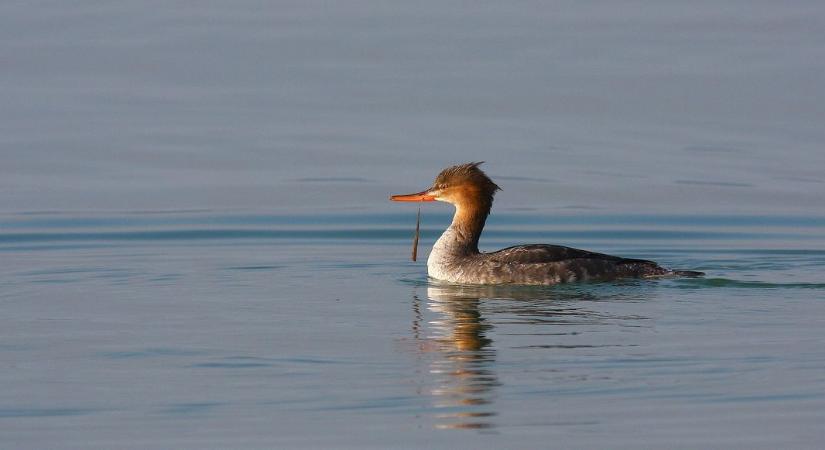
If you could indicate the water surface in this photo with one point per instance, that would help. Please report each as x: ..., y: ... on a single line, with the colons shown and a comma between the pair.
x: 197, y: 250
x: 252, y: 331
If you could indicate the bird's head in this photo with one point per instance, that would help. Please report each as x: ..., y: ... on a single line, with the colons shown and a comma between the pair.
x: 464, y: 184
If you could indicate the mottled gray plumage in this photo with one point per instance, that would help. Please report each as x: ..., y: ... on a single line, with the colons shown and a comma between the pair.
x: 540, y: 264
x: 455, y: 256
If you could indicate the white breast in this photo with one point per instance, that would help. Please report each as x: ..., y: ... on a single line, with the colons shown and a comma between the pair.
x: 441, y: 264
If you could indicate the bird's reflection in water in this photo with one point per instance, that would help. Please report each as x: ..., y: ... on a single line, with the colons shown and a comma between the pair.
x: 462, y: 375
x: 455, y: 342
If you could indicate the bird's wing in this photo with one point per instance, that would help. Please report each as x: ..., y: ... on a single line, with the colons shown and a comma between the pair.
x: 543, y: 253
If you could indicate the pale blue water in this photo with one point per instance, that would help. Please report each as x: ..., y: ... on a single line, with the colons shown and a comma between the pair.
x: 192, y: 330
x: 197, y: 250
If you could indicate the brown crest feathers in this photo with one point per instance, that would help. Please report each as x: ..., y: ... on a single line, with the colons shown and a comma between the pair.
x: 468, y: 173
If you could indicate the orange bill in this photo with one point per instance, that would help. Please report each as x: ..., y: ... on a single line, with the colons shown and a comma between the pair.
x: 423, y: 196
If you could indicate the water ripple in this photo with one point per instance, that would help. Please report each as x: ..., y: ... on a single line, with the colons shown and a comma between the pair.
x: 382, y: 233
x: 728, y: 283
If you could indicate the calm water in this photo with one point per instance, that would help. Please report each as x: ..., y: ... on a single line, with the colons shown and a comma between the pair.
x: 219, y: 330
x: 197, y: 251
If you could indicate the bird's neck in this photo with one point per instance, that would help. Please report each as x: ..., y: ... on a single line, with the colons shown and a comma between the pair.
x: 464, y: 232
x: 458, y: 241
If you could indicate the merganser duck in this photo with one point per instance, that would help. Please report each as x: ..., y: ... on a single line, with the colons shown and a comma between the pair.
x: 455, y: 256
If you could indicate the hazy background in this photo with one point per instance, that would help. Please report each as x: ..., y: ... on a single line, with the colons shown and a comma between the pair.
x: 695, y: 107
